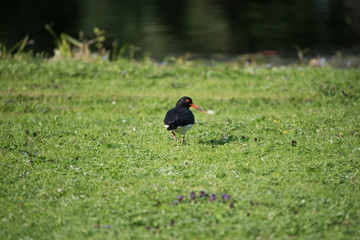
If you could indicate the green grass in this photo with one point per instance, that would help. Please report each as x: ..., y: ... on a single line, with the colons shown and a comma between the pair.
x: 84, y: 154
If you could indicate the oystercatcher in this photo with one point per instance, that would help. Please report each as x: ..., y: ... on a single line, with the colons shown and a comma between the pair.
x: 180, y: 119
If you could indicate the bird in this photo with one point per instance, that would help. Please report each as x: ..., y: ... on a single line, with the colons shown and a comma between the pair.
x: 180, y: 119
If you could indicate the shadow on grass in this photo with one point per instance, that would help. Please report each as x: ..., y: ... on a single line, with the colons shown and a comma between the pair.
x: 224, y: 140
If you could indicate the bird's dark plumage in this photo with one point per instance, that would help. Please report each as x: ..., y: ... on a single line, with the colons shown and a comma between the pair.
x: 178, y: 116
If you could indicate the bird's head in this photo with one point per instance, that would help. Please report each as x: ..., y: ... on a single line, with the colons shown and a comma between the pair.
x: 187, y: 102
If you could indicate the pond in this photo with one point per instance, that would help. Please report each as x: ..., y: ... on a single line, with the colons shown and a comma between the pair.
x: 204, y: 28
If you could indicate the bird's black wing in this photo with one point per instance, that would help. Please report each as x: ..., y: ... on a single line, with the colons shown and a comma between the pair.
x: 178, y: 117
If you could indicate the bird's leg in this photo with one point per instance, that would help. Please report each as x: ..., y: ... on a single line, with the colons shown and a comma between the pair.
x: 173, y: 134
x: 182, y: 139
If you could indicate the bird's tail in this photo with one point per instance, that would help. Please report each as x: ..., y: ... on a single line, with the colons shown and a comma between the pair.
x: 171, y: 127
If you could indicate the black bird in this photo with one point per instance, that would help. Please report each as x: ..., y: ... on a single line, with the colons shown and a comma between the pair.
x: 180, y: 119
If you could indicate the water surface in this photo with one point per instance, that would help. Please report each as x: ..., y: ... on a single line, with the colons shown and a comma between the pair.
x: 202, y: 27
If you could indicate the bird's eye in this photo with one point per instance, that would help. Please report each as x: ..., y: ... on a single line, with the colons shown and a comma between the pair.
x: 187, y: 100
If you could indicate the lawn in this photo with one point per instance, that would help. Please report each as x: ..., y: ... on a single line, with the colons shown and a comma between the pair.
x: 84, y: 153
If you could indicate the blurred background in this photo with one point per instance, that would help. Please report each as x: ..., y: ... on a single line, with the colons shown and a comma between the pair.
x: 203, y: 28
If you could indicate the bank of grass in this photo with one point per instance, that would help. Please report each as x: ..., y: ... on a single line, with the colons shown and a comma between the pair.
x: 84, y: 154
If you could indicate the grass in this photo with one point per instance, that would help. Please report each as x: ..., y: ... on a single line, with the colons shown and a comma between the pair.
x: 84, y: 154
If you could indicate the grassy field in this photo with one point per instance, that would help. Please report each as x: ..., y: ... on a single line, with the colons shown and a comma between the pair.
x: 84, y: 153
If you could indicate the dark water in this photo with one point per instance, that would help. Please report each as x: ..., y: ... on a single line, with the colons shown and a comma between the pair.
x: 201, y: 27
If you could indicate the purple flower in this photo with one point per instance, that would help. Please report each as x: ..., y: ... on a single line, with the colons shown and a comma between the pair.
x: 172, y: 222
x: 180, y: 198
x: 147, y: 228
x: 203, y: 194
x: 175, y: 203
x: 212, y: 198
x: 192, y: 196
x: 225, y: 196
x: 231, y: 205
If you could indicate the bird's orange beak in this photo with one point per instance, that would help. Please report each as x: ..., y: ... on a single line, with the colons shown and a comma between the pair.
x: 196, y: 107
